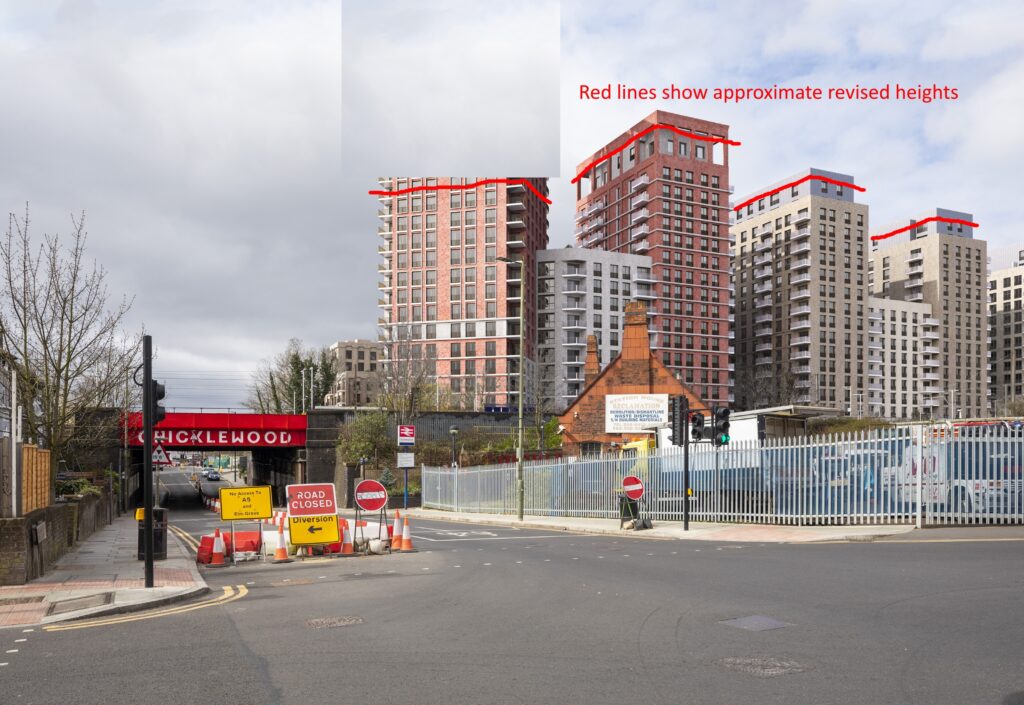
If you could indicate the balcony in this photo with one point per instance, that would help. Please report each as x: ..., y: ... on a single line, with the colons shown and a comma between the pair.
x: 639, y: 200
x: 801, y: 355
x: 763, y: 330
x: 383, y: 303
x: 916, y: 269
x: 800, y: 340
x: 384, y: 250
x: 802, y: 217
x: 930, y: 350
x: 929, y: 362
x: 802, y: 262
x: 516, y: 205
x: 515, y: 244
x: 799, y: 310
x: 931, y: 322
x: 644, y: 293
x: 876, y: 316
x: 384, y: 267
x: 915, y: 296
x: 763, y: 287
x: 874, y: 344
x: 574, y: 305
x: 574, y: 341
x: 763, y: 301
x: 800, y: 278
x: 515, y: 188
x: 800, y: 294
x: 913, y: 284
x: 575, y: 324
x: 644, y: 275
x: 875, y: 372
x: 763, y: 347
x: 384, y: 231
x: 800, y: 369
x: 639, y: 231
x: 384, y: 285
x: 802, y: 324
x: 763, y: 360
x: 574, y: 273
x: 915, y: 257
x: 640, y: 182
x: 930, y: 334
x: 763, y: 318
x: 594, y: 237
x: 762, y: 272
x: 801, y: 233
x: 931, y: 377
x: 763, y: 247
x: 802, y: 384
x: 641, y: 247
x: 640, y: 216
x: 876, y: 387
x: 515, y: 223
x: 801, y: 248
x: 762, y: 259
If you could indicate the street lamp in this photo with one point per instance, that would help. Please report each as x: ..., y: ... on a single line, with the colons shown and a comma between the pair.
x: 521, y: 263
x: 454, y: 431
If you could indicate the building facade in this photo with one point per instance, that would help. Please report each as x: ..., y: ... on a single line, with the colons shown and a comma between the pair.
x: 666, y: 195
x: 357, y: 381
x: 800, y: 259
x: 448, y: 301
x: 579, y: 292
x: 942, y: 264
x: 1006, y: 336
x: 903, y: 362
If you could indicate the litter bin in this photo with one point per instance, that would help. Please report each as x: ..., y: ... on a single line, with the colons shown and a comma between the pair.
x: 628, y: 510
x: 159, y: 536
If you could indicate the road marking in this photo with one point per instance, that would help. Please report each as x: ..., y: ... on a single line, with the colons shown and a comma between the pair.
x: 926, y: 541
x: 489, y: 538
x: 25, y: 631
x: 456, y: 566
x: 230, y: 594
x: 4, y: 664
x: 486, y: 563
x: 18, y: 641
x: 12, y: 651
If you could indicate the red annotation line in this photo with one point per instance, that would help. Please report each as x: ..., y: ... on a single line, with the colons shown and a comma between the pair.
x: 934, y: 218
x: 809, y: 177
x: 648, y: 131
x: 462, y: 187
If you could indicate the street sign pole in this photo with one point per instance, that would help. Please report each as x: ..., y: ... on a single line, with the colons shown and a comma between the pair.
x: 686, y: 464
x: 147, y: 456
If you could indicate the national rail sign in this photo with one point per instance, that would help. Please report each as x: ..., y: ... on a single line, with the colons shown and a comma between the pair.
x: 406, y: 435
x: 312, y: 499
x: 246, y: 503
x: 633, y: 487
x: 309, y: 531
x: 371, y: 496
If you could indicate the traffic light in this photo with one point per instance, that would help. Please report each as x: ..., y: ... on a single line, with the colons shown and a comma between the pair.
x: 157, y: 392
x: 677, y: 420
x: 720, y: 425
x: 697, y: 427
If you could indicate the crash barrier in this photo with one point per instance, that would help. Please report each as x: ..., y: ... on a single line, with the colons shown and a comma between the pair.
x: 889, y: 476
x: 272, y: 542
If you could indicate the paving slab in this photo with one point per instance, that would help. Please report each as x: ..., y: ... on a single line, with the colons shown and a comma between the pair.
x: 103, y: 576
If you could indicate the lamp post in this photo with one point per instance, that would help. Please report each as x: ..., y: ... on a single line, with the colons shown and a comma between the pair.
x: 520, y: 490
x: 454, y: 431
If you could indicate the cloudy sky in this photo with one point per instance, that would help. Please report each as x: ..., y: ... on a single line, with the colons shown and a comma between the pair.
x: 222, y: 150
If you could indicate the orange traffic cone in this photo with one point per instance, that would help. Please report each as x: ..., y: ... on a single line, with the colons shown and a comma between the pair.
x: 217, y: 559
x: 396, y: 527
x: 346, y: 540
x: 407, y: 546
x: 216, y: 506
x: 281, y: 552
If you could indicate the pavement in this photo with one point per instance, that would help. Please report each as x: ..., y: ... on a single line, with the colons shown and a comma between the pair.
x: 103, y: 576
x: 698, y: 531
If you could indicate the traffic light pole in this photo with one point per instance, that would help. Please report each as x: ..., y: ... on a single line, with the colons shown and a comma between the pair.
x: 686, y: 464
x: 147, y: 455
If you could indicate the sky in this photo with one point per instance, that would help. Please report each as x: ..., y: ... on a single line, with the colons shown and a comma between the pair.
x: 222, y: 152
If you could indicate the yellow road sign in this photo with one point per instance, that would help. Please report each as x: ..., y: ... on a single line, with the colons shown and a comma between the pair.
x: 306, y: 531
x: 246, y: 503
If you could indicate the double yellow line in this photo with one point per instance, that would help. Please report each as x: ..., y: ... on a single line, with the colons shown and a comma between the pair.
x: 230, y: 594
x: 186, y: 537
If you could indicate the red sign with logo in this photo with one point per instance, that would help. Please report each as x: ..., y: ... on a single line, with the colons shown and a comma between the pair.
x: 633, y: 487
x: 200, y: 430
x: 311, y: 499
x: 371, y: 496
x: 406, y: 435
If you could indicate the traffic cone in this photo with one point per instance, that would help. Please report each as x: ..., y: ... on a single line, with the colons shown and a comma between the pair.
x: 217, y: 559
x: 407, y: 546
x: 346, y: 540
x: 396, y: 527
x: 216, y: 506
x: 281, y: 552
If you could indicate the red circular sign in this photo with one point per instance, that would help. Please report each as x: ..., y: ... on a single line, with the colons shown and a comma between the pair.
x: 633, y: 487
x: 371, y: 496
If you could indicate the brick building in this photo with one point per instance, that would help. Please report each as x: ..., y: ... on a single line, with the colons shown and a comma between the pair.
x: 666, y: 195
x: 636, y: 370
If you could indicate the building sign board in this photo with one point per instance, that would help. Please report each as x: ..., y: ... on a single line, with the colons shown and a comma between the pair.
x: 635, y: 413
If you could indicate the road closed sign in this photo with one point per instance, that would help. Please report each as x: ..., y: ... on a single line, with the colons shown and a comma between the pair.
x: 632, y: 487
x: 311, y: 499
x: 307, y: 531
x: 246, y: 503
x: 371, y: 496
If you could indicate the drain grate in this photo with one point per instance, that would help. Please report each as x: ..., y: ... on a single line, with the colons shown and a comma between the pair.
x: 20, y: 600
x: 755, y: 623
x: 330, y: 622
x: 81, y: 603
x: 763, y: 666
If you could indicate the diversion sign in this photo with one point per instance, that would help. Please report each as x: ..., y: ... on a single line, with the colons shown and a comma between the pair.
x: 635, y: 413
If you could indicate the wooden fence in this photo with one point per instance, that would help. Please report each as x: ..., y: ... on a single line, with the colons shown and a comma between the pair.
x: 36, y: 489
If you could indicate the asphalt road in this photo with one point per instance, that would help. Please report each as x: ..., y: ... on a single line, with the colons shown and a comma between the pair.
x: 497, y: 615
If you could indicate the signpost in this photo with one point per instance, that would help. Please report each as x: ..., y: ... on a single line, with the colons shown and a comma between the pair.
x: 371, y: 496
x: 160, y: 456
x: 633, y: 488
x: 406, y: 435
x: 313, y: 530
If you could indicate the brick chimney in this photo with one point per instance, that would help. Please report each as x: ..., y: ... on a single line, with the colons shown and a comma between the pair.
x: 591, y: 366
x: 636, y: 343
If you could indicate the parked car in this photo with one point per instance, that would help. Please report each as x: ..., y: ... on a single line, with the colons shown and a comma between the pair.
x: 213, y: 475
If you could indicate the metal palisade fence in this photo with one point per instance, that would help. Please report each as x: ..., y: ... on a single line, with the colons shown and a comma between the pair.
x: 901, y: 475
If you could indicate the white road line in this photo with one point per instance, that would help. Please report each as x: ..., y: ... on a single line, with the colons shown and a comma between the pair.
x: 4, y: 663
x: 18, y: 641
x: 488, y: 538
x: 12, y: 651
x: 25, y: 631
x: 456, y: 566
x: 486, y: 563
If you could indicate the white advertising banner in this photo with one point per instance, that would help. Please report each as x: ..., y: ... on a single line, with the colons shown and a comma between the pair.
x: 635, y: 413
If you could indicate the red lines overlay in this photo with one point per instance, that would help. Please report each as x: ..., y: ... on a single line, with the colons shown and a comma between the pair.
x: 791, y: 184
x: 649, y: 130
x: 933, y: 219
x: 462, y: 187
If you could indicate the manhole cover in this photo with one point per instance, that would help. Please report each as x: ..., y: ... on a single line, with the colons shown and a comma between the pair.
x: 328, y: 622
x: 763, y: 666
x: 755, y: 623
x: 20, y: 600
x: 81, y: 603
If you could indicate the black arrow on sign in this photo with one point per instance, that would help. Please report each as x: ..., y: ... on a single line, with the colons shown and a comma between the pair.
x: 314, y: 529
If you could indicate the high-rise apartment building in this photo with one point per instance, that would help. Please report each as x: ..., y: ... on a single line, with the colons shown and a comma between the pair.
x: 357, y: 375
x: 903, y: 362
x: 582, y: 292
x: 800, y: 257
x: 666, y: 195
x: 941, y: 263
x: 1006, y: 335
x: 447, y: 298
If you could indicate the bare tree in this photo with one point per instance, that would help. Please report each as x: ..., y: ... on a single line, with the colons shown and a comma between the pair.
x: 65, y: 338
x: 406, y: 375
x: 277, y: 387
x: 756, y: 391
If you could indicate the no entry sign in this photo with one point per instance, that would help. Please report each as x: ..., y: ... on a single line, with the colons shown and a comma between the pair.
x: 311, y: 499
x: 633, y: 487
x: 371, y: 496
